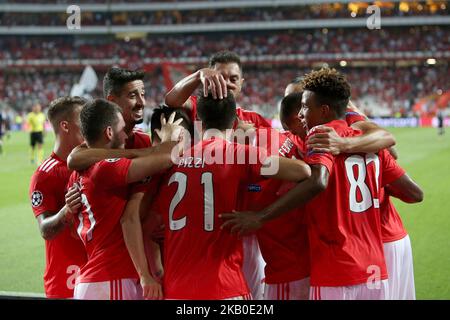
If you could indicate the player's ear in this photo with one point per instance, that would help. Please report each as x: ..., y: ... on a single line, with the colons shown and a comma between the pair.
x: 111, y: 97
x: 109, y: 133
x: 64, y: 126
x: 325, y: 110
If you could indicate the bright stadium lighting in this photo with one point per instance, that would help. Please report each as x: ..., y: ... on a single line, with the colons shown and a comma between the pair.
x: 404, y: 6
x: 343, y: 63
x: 431, y: 61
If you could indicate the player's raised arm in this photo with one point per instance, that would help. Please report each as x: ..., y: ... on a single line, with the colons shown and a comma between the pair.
x: 208, y: 78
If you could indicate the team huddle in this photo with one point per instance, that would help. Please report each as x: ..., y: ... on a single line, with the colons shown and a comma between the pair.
x: 216, y: 204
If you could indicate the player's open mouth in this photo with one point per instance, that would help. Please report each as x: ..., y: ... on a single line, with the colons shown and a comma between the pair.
x: 138, y: 112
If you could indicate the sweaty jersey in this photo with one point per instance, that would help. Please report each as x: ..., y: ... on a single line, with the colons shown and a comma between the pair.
x: 283, y: 241
x: 344, y: 220
x: 201, y: 260
x: 36, y: 121
x: 245, y: 115
x: 65, y: 253
x: 105, y: 193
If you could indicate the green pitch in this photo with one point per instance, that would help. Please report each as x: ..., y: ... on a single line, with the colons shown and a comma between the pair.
x: 423, y: 154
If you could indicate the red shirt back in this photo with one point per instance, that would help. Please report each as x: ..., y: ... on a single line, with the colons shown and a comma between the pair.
x: 65, y: 253
x: 344, y: 220
x: 283, y: 241
x: 392, y: 228
x: 104, y: 196
x: 201, y: 260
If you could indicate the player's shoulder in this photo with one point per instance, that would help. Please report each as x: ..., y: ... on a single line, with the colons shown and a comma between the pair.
x: 52, y: 166
x: 52, y: 173
x: 141, y: 138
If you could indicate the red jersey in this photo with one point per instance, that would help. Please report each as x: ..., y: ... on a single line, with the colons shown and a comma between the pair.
x: 352, y: 117
x: 201, y: 260
x: 105, y: 193
x: 344, y: 220
x: 65, y: 253
x: 283, y: 241
x: 139, y: 140
x: 246, y: 115
x: 392, y: 228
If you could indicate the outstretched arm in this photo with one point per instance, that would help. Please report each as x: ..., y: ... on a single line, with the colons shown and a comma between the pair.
x: 83, y: 157
x: 245, y: 222
x: 286, y: 169
x: 372, y: 140
x: 405, y: 189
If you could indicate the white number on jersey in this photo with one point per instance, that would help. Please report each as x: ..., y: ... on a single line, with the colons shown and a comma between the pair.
x: 360, y: 183
x: 86, y: 236
x: 208, y: 204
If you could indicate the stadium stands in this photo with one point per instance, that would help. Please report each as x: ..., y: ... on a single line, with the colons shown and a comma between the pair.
x: 390, y: 69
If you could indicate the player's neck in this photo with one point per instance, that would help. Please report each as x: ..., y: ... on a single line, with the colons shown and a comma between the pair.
x: 62, y: 149
x: 129, y: 129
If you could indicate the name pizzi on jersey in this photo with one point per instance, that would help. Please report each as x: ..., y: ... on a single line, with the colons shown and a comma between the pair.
x: 191, y: 162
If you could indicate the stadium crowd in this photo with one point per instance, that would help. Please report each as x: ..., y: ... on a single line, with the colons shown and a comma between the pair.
x: 316, y: 41
x: 394, y: 90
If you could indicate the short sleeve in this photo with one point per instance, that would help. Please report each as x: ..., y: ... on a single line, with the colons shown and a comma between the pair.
x: 390, y: 170
x: 42, y: 196
x: 352, y: 117
x: 324, y: 158
x: 254, y: 117
x: 112, y: 172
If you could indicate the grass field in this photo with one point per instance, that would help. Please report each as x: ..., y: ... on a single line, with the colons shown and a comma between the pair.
x: 423, y: 154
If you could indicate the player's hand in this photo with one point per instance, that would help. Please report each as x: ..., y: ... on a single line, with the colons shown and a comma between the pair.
x: 214, y: 81
x: 245, y: 125
x: 73, y: 202
x: 325, y: 139
x: 170, y: 129
x: 241, y: 223
x: 152, y: 290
